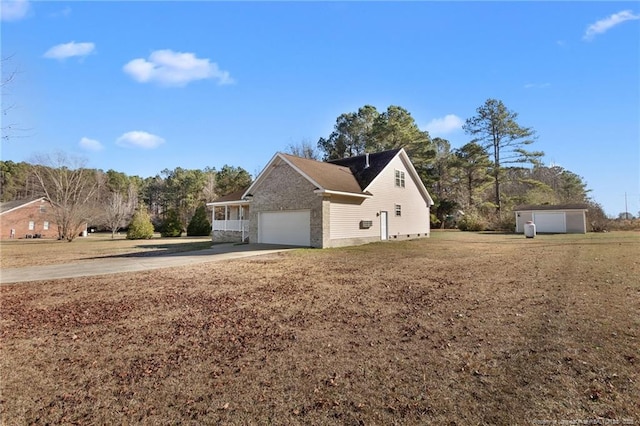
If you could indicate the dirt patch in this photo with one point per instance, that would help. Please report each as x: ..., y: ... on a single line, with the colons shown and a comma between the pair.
x: 456, y: 329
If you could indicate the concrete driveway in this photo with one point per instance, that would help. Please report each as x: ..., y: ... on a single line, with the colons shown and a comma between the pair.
x: 136, y: 262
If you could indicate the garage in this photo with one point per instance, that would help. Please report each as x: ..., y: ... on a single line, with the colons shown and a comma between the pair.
x: 550, y: 222
x: 553, y: 219
x: 285, y: 227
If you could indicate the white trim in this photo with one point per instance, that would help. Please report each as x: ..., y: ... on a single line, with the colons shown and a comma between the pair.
x: 263, y: 174
x: 306, y: 176
x: 412, y: 172
x: 24, y: 205
x: 229, y: 203
x: 346, y: 194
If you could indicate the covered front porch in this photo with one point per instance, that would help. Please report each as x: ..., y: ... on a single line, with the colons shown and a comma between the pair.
x: 229, y: 219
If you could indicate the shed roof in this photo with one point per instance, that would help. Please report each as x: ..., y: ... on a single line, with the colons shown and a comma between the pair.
x: 526, y: 207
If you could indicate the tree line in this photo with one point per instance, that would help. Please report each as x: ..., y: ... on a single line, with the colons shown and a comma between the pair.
x: 108, y: 200
x: 474, y: 187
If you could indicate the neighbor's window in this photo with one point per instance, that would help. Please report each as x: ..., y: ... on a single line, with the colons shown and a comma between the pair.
x: 31, y: 225
x: 43, y: 209
x: 400, y: 178
x: 45, y: 225
x: 398, y: 210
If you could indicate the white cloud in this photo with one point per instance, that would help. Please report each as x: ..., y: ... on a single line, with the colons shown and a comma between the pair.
x: 68, y: 50
x: 14, y: 10
x: 170, y: 68
x: 448, y: 124
x: 537, y: 85
x: 91, y: 144
x: 604, y: 25
x: 139, y: 139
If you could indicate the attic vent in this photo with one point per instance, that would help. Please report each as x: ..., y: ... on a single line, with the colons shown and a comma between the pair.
x: 366, y: 224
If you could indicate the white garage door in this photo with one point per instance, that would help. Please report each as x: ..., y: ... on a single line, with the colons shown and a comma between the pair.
x: 285, y: 227
x: 553, y: 222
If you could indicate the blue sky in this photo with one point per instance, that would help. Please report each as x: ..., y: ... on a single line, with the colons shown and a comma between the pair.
x: 142, y: 86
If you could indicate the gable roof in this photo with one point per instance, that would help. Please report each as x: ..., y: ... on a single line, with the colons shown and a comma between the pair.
x: 366, y: 174
x: 326, y: 176
x: 8, y: 206
x: 348, y: 176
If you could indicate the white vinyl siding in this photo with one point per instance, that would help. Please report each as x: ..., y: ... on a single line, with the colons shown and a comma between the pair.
x: 346, y: 213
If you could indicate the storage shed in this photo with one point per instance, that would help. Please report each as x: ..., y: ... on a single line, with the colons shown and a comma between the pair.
x: 553, y: 219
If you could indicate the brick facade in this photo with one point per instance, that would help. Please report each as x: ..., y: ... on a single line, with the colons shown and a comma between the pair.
x: 286, y: 189
x: 29, y: 220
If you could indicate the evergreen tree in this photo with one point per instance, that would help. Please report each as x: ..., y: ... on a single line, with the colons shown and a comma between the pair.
x: 172, y: 226
x: 199, y: 226
x: 141, y: 227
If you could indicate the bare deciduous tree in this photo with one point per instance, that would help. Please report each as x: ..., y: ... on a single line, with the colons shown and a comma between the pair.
x: 119, y: 209
x: 70, y: 188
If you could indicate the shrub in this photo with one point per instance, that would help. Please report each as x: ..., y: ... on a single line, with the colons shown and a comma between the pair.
x: 472, y: 222
x: 199, y: 225
x: 140, y: 227
x: 172, y: 227
x: 597, y: 219
x: 507, y: 223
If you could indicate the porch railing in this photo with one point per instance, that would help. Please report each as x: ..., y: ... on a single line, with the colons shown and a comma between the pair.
x: 230, y: 225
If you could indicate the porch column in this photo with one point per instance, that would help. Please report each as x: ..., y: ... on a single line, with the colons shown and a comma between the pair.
x: 226, y: 216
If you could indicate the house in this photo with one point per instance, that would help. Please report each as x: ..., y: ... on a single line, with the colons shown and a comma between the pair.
x: 553, y: 219
x: 302, y: 202
x: 32, y: 218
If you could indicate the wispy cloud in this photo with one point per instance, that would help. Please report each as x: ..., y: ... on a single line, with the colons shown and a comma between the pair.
x: 169, y: 68
x: 90, y: 144
x: 139, y: 139
x: 447, y: 124
x: 68, y: 50
x: 63, y: 13
x: 537, y: 85
x: 604, y: 25
x: 14, y: 10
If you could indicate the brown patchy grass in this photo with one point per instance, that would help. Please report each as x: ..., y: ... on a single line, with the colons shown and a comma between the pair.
x: 37, y: 252
x: 457, y: 329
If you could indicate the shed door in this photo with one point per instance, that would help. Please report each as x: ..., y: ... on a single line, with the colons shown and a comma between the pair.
x: 552, y: 222
x: 285, y: 227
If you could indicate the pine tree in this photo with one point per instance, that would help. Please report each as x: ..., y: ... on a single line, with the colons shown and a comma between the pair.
x: 199, y: 225
x: 172, y: 227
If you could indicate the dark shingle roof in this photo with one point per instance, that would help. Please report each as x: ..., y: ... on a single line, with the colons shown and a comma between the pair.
x: 358, y: 165
x: 551, y: 207
x: 10, y: 205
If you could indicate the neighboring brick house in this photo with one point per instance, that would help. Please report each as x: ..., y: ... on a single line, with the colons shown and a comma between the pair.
x: 27, y: 219
x: 356, y: 200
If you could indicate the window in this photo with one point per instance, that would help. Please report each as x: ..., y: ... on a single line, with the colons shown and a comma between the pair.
x: 43, y: 209
x: 398, y: 210
x: 32, y: 225
x: 400, y: 178
x: 45, y: 225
